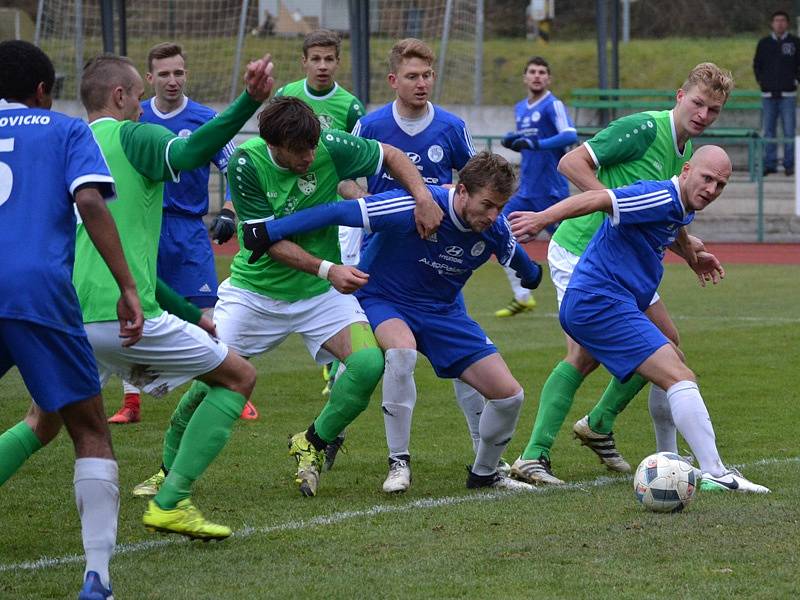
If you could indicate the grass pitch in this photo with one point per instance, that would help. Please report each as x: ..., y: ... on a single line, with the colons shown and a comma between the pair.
x: 589, y: 539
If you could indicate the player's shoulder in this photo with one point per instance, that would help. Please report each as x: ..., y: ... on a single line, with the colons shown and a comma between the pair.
x: 447, y: 119
x: 378, y: 115
x: 200, y: 110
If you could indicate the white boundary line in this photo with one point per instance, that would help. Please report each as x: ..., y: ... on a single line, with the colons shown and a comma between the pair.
x: 339, y: 517
x: 716, y: 318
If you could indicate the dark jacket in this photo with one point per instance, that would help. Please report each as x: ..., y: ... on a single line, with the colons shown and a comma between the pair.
x: 777, y: 63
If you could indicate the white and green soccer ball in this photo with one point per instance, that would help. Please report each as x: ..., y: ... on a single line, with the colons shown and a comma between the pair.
x: 665, y: 482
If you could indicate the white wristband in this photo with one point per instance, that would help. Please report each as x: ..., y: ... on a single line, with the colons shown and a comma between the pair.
x: 324, y: 267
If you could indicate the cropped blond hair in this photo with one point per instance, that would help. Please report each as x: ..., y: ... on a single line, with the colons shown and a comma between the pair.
x: 717, y: 82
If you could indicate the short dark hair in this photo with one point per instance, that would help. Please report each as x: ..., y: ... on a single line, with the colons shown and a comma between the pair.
x: 23, y: 67
x: 101, y: 75
x: 290, y: 122
x: 163, y: 50
x: 536, y: 60
x: 487, y: 170
x: 324, y: 38
x: 780, y: 13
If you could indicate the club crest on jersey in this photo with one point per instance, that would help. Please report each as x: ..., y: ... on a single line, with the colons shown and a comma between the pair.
x: 435, y: 153
x: 478, y: 248
x: 325, y: 121
x: 184, y: 133
x: 536, y: 116
x: 307, y: 183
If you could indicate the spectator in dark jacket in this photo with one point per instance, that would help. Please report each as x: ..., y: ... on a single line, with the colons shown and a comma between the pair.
x: 777, y: 69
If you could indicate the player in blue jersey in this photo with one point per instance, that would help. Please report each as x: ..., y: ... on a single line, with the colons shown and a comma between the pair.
x: 50, y: 165
x: 438, y: 143
x: 544, y: 131
x: 185, y: 258
x: 413, y: 299
x: 614, y: 282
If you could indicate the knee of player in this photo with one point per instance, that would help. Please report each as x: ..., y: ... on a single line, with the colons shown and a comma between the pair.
x: 365, y: 366
x: 512, y: 401
x: 245, y: 377
x: 400, y: 362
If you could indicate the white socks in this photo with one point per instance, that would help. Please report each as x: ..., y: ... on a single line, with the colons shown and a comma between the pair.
x: 129, y: 388
x: 521, y: 294
x: 471, y: 402
x: 691, y: 418
x: 97, y: 496
x: 399, y: 398
x: 498, y: 421
x: 664, y: 427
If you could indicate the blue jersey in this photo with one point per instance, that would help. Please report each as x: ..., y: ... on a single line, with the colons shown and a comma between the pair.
x: 189, y: 196
x: 624, y: 258
x: 443, y: 145
x: 545, y: 118
x: 44, y: 157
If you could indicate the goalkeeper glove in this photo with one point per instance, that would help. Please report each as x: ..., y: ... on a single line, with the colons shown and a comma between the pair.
x: 223, y: 226
x: 256, y: 239
x: 509, y: 138
x: 531, y: 280
x: 525, y: 143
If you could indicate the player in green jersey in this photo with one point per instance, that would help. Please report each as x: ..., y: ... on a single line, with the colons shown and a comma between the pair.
x: 335, y: 106
x: 141, y: 156
x: 293, y: 165
x: 643, y: 146
x: 337, y: 109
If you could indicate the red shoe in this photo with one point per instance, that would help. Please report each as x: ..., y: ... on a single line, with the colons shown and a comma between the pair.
x: 130, y: 411
x: 249, y: 412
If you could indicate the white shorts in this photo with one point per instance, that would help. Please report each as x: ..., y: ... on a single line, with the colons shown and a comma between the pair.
x: 171, y: 352
x: 252, y: 324
x: 350, y: 239
x: 562, y: 263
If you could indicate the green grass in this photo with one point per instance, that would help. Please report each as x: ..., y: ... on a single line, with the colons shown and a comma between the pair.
x: 574, y: 64
x: 586, y: 541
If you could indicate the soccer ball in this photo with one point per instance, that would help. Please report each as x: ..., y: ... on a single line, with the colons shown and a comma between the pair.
x: 664, y: 482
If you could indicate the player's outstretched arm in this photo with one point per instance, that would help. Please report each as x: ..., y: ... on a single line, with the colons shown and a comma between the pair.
x: 427, y: 214
x: 259, y: 235
x: 525, y: 225
x: 577, y: 166
x: 199, y: 148
x: 104, y: 235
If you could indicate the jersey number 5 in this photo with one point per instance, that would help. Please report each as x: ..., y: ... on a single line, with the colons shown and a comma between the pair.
x: 6, y: 176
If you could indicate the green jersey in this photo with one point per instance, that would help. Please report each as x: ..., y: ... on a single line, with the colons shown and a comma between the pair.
x: 141, y: 157
x: 261, y: 189
x: 337, y: 108
x: 136, y: 154
x: 642, y: 146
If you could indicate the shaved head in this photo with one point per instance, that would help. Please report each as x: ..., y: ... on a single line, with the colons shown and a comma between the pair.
x: 712, y: 156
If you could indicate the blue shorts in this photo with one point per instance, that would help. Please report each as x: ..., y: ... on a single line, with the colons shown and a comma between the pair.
x: 58, y: 368
x: 617, y: 334
x: 450, y: 339
x: 185, y: 259
x: 539, y: 204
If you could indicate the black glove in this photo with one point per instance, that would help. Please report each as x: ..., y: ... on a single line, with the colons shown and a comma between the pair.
x: 223, y: 226
x: 509, y: 139
x: 256, y: 239
x: 525, y: 143
x: 532, y: 280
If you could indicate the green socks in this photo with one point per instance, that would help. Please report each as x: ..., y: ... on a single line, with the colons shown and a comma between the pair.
x: 613, y: 401
x: 16, y: 446
x: 350, y: 392
x: 555, y: 401
x: 206, y: 434
x: 180, y: 419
